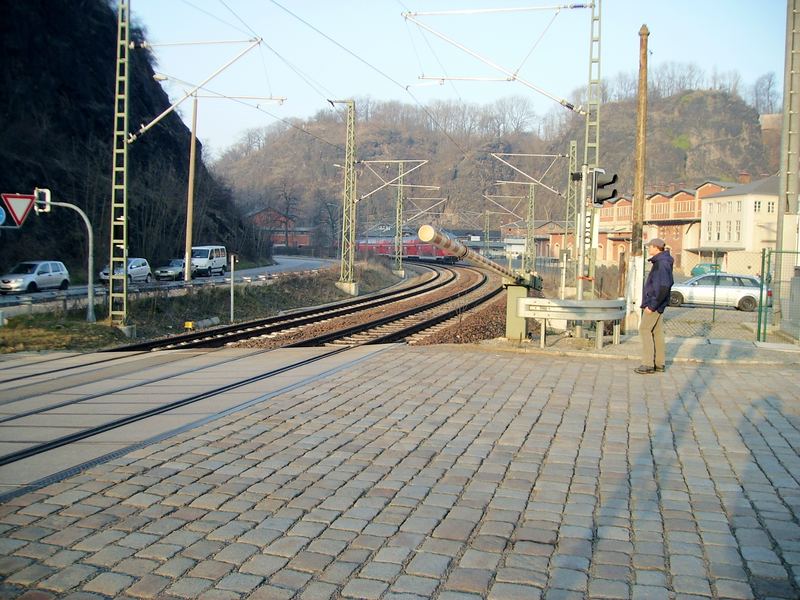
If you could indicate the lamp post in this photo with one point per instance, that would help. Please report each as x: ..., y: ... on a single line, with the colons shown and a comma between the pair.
x: 187, y: 255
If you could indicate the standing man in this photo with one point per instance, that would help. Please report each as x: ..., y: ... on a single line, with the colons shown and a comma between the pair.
x: 655, y: 298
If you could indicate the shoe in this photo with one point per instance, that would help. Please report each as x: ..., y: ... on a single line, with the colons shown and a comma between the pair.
x: 644, y: 370
x: 660, y: 369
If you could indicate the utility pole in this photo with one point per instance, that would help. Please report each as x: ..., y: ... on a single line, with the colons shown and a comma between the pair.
x: 635, y: 276
x: 790, y: 160
x: 187, y: 265
x: 118, y: 262
x: 347, y: 282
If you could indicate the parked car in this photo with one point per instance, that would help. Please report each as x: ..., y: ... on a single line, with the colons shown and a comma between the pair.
x: 722, y: 289
x: 35, y: 275
x: 207, y: 259
x: 173, y: 270
x: 703, y: 268
x: 138, y: 270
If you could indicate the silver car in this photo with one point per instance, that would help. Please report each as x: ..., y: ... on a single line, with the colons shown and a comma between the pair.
x: 722, y: 289
x: 173, y: 270
x: 35, y: 275
x: 138, y: 270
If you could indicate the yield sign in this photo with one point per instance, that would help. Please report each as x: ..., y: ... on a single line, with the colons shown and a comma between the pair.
x: 19, y: 205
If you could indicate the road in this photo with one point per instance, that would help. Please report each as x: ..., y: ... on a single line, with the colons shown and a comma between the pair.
x: 14, y: 304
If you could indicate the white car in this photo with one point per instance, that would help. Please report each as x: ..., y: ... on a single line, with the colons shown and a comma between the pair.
x: 35, y: 275
x: 138, y: 270
x: 721, y: 289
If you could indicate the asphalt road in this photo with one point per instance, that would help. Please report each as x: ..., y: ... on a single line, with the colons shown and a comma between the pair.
x: 12, y: 304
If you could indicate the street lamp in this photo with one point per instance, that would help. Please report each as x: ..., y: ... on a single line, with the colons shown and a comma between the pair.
x: 187, y: 256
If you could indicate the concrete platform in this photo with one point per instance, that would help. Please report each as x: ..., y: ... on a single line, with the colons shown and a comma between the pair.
x: 449, y: 472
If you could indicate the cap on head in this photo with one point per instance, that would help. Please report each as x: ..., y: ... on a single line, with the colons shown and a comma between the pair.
x: 658, y: 243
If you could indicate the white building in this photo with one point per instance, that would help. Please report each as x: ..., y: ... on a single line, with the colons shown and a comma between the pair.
x: 737, y: 223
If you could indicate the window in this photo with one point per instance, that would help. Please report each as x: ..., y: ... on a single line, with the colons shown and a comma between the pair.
x: 726, y: 280
x: 738, y: 206
x: 718, y: 229
x: 710, y: 230
x: 757, y: 206
x: 728, y: 231
x: 44, y: 268
x: 738, y: 231
x: 747, y: 282
x: 770, y: 207
x: 728, y: 206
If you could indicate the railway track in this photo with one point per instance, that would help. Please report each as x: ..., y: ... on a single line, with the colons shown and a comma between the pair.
x: 220, y: 336
x: 34, y: 405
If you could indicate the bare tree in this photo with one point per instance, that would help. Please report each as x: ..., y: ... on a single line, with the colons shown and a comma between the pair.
x: 765, y: 94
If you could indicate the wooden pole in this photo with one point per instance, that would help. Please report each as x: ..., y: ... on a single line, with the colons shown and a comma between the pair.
x: 633, y: 279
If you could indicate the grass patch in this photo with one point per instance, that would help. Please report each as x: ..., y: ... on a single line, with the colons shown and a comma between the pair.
x: 46, y: 332
x: 160, y: 314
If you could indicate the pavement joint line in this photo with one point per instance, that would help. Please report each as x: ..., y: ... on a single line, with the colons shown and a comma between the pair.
x: 61, y: 475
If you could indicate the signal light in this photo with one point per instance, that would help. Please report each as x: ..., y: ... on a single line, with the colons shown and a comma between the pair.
x: 41, y: 200
x: 603, y: 188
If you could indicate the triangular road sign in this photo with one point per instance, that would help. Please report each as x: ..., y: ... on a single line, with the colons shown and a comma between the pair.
x: 18, y: 205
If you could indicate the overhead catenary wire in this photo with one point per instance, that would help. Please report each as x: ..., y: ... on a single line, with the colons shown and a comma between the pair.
x: 257, y: 107
x: 536, y: 43
x: 377, y: 70
x: 215, y: 17
x: 430, y: 47
x: 318, y: 88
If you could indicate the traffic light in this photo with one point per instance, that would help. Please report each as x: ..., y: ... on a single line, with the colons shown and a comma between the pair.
x: 603, y: 188
x: 41, y: 200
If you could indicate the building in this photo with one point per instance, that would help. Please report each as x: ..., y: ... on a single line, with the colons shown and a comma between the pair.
x: 738, y: 223
x: 283, y: 233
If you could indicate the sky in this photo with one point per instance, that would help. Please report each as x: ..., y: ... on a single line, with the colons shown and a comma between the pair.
x: 314, y: 50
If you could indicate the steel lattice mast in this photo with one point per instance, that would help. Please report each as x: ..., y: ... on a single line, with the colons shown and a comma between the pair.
x: 117, y: 266
x: 571, y: 215
x: 398, y: 222
x: 347, y: 269
x: 529, y: 265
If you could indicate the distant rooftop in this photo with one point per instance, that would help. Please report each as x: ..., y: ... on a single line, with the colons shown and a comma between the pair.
x: 761, y: 187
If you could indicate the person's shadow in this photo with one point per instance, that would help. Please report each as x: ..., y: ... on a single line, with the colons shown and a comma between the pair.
x: 707, y: 506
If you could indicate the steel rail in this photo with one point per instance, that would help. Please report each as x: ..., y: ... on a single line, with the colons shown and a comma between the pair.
x: 129, y: 419
x: 13, y: 457
x: 362, y: 327
x: 226, y: 333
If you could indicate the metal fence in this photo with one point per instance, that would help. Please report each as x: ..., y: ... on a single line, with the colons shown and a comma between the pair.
x: 779, y: 306
x: 722, y: 296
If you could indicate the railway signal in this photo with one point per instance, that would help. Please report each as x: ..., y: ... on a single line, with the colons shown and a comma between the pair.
x: 603, y: 188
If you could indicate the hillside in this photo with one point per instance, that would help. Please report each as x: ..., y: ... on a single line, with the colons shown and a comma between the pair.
x: 692, y: 136
x: 57, y: 123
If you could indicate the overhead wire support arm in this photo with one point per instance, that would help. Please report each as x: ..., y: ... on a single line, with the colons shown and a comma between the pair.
x: 514, y: 77
x: 132, y: 137
x: 391, y: 181
x: 483, y: 11
x: 524, y: 174
x: 147, y: 44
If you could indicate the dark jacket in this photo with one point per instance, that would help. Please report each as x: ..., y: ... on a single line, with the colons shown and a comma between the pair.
x: 659, y: 282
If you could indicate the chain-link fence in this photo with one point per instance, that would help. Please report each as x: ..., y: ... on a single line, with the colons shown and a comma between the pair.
x: 779, y: 309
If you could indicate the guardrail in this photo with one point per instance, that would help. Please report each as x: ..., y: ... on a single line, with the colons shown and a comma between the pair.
x: 600, y: 311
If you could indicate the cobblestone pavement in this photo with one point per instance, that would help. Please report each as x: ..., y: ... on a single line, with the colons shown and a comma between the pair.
x: 443, y: 472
